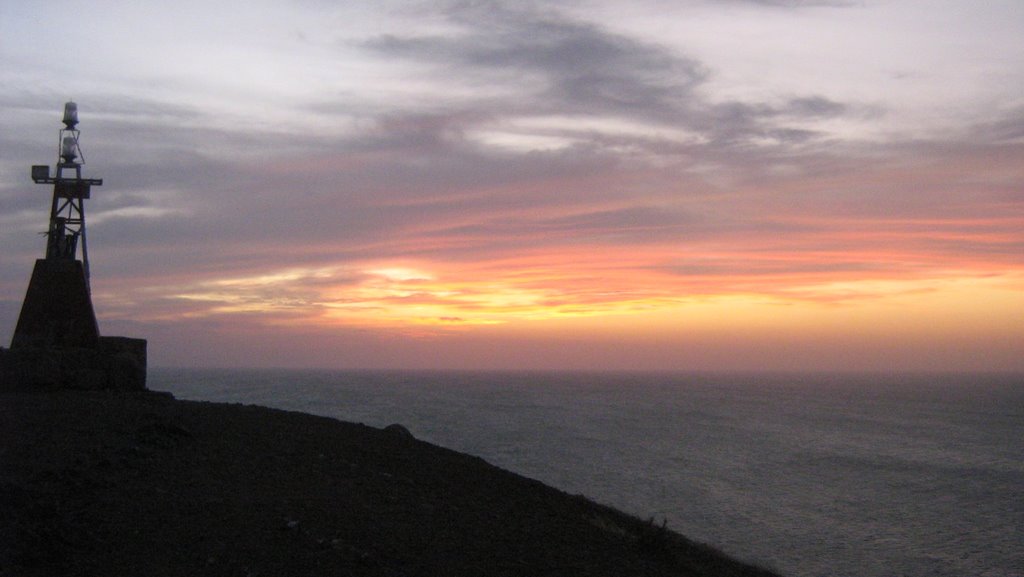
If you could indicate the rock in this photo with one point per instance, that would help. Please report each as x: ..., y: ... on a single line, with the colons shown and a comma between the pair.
x: 399, y: 432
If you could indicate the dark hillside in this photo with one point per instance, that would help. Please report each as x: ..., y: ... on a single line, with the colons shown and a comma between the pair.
x: 99, y: 483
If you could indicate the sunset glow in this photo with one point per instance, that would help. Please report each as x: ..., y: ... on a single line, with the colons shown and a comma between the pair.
x: 727, y: 185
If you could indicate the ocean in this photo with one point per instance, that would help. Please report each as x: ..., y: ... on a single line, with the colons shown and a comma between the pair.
x: 810, y: 475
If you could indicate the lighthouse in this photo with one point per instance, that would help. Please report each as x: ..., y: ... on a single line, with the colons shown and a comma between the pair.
x: 57, y: 311
x: 57, y: 339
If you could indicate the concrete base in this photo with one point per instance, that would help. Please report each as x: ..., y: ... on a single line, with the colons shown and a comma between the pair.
x: 57, y: 311
x: 57, y: 343
x: 117, y: 363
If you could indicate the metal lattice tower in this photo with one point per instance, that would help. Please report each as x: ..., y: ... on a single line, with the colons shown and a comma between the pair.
x: 57, y: 342
x: 57, y: 311
x: 67, y: 212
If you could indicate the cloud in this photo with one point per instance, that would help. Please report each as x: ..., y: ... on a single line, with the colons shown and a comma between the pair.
x: 529, y: 162
x: 798, y: 3
x: 1006, y: 128
x: 814, y: 107
x: 554, y: 65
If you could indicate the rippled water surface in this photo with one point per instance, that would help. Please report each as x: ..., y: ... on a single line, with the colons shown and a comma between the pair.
x: 810, y: 475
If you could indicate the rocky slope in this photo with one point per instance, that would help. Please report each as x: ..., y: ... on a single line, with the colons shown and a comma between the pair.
x: 105, y: 483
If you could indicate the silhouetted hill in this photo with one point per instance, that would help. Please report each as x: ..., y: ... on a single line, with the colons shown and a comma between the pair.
x: 104, y: 483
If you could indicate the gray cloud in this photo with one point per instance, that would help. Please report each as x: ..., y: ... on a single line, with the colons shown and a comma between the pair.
x: 799, y: 3
x: 583, y: 69
x: 1005, y: 128
x: 813, y: 107
x: 555, y: 65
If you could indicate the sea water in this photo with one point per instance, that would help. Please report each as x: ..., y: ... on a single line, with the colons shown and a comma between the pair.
x: 811, y: 475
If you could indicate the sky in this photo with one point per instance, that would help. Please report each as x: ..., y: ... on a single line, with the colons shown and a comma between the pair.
x: 691, y: 185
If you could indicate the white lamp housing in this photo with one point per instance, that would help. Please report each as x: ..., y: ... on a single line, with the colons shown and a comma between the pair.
x: 70, y: 115
x: 68, y: 150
